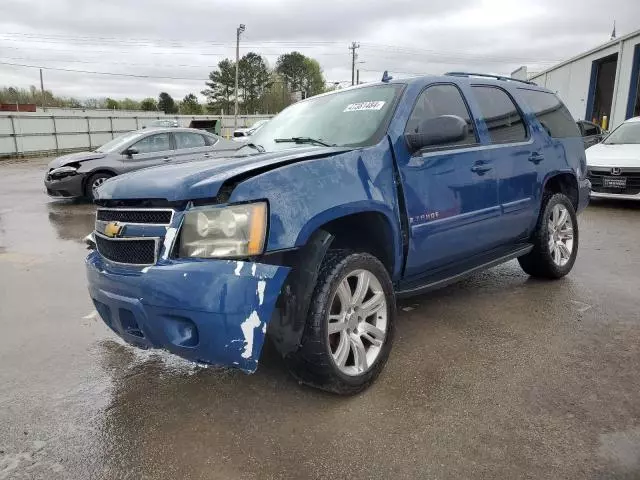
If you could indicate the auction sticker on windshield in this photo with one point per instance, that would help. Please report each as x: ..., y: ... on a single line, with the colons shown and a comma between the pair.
x: 357, y: 107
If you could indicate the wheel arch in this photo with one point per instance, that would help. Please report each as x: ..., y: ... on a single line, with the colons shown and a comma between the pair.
x: 365, y: 226
x: 565, y: 183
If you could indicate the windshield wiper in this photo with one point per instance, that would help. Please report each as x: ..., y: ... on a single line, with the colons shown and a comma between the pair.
x: 304, y: 140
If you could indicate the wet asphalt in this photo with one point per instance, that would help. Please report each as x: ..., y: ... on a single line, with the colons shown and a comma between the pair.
x: 499, y: 376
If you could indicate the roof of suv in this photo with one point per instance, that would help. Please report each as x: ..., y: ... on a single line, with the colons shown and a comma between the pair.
x: 455, y: 77
x: 471, y: 78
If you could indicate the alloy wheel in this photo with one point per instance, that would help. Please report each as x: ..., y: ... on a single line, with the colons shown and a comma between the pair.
x: 560, y: 229
x: 357, y: 322
x: 97, y: 182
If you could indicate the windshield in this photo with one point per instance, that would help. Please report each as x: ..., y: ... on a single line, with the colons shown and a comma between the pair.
x: 118, y: 143
x: 626, y: 133
x: 354, y: 117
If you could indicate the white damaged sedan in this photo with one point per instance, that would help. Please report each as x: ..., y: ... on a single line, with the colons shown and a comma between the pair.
x: 614, y: 164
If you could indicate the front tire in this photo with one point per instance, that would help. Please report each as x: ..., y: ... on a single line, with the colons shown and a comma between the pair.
x: 350, y: 325
x: 94, y: 182
x: 555, y: 240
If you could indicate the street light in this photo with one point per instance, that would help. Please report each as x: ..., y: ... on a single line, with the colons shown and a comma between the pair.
x: 239, y: 30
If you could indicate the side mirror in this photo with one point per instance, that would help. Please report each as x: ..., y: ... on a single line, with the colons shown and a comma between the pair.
x: 437, y: 131
x: 130, y: 152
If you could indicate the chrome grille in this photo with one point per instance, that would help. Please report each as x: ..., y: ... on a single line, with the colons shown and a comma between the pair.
x: 135, y: 215
x: 633, y: 181
x: 130, y: 251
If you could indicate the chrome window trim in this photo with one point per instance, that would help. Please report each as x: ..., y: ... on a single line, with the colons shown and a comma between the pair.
x: 474, y: 148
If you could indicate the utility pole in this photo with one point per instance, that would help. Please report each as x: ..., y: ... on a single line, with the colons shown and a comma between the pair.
x: 358, y: 77
x: 354, y: 46
x: 239, y: 30
x: 44, y: 102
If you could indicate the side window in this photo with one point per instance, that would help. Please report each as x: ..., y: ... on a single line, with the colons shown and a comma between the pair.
x: 553, y: 115
x: 501, y: 115
x: 438, y: 100
x: 188, y: 140
x: 153, y: 143
x: 209, y: 140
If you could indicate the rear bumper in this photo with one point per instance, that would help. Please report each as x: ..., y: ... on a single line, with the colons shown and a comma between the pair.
x: 213, y: 312
x: 67, y: 187
x: 619, y: 196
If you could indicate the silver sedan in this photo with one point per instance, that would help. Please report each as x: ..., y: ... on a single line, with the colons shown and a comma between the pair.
x: 79, y: 174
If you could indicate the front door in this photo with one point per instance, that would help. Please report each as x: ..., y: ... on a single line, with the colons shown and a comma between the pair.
x: 450, y: 191
x: 152, y: 150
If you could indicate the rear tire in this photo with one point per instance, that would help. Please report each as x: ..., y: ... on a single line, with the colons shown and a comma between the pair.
x: 555, y: 240
x: 94, y: 182
x: 350, y: 325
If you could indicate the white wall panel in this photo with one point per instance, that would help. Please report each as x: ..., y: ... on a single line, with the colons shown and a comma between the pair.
x: 67, y: 142
x: 35, y: 131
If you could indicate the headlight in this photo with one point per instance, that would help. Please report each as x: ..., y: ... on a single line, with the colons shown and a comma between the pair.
x: 63, y: 172
x: 222, y: 232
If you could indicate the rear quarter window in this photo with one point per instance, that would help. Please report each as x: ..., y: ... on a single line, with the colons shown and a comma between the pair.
x: 551, y: 113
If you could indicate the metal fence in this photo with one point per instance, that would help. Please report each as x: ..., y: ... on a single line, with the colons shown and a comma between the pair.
x: 48, y: 133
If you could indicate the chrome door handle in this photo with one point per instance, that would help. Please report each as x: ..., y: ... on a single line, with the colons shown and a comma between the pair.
x: 481, y: 168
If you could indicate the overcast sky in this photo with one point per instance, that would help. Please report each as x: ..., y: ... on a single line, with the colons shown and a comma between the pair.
x: 185, y: 39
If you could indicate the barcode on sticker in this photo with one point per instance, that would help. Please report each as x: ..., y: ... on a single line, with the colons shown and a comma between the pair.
x: 356, y: 107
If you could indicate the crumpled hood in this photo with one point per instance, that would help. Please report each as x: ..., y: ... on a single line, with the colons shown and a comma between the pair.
x: 75, y: 158
x: 603, y: 155
x: 201, y: 179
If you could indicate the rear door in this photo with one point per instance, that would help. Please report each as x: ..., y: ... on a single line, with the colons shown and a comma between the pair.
x: 191, y: 146
x: 450, y: 190
x: 515, y: 155
x: 557, y: 132
x: 152, y: 150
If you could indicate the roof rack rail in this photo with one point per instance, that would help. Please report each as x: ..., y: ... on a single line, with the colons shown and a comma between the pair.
x: 487, y: 75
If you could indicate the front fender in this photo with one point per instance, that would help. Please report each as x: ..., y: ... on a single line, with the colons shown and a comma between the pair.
x: 305, y: 196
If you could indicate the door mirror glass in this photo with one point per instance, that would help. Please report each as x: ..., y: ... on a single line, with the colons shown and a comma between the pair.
x: 441, y: 130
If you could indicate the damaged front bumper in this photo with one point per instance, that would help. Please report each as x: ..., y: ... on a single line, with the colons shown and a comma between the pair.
x: 210, y: 311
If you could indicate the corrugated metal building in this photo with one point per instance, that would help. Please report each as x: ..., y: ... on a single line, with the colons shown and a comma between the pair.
x: 602, y: 82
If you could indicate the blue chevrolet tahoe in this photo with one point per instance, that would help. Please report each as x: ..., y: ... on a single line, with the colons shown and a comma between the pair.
x: 338, y: 206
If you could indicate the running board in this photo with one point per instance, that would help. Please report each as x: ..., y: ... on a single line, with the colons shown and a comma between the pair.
x: 442, y: 280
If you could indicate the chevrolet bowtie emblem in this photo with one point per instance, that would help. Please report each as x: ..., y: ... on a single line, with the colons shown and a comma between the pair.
x: 113, y: 229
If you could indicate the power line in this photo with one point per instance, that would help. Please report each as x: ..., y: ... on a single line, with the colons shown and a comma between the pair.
x: 113, y: 74
x: 103, y: 62
x: 310, y: 44
x: 173, y: 52
x: 419, y: 51
x: 153, y: 43
x: 392, y: 71
x: 163, y: 39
